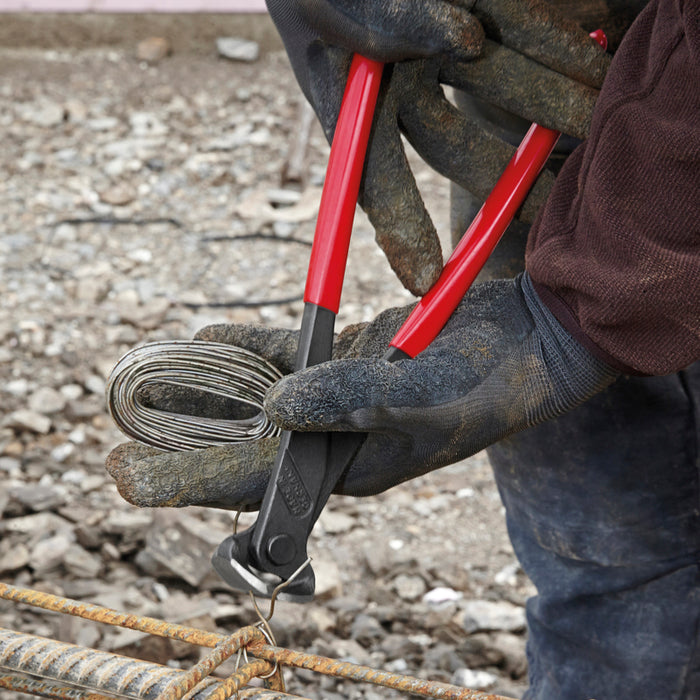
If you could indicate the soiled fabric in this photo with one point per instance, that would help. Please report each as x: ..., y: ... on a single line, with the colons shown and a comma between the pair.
x: 615, y: 253
x: 603, y: 503
x: 430, y: 44
x: 602, y: 508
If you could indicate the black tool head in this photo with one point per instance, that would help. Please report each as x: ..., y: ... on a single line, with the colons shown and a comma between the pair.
x: 232, y: 562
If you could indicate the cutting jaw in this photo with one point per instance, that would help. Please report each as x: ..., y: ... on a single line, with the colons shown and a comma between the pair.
x: 228, y: 562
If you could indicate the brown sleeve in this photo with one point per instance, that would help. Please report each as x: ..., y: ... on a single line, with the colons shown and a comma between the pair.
x: 615, y: 252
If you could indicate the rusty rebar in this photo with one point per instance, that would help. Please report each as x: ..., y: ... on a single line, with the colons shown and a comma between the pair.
x: 249, y: 639
x: 149, y: 625
x: 48, y: 689
x: 97, y: 613
x: 188, y: 680
x: 230, y: 687
x: 91, y: 669
x: 367, y: 674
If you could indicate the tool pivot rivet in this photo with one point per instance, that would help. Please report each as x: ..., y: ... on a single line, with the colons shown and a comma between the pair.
x: 281, y: 549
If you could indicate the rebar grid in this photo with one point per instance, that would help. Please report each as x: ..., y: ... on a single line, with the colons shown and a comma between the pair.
x: 48, y: 689
x: 94, y: 670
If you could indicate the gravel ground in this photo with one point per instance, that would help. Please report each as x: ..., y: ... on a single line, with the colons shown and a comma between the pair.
x: 139, y: 202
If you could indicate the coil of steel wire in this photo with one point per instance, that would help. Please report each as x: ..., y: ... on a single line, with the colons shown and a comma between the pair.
x: 214, y: 368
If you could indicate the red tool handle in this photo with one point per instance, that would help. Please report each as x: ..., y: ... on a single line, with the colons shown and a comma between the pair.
x: 329, y: 252
x: 434, y: 309
x: 465, y: 263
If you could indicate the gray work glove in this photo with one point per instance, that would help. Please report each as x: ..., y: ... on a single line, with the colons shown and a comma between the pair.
x: 533, y: 63
x: 501, y: 364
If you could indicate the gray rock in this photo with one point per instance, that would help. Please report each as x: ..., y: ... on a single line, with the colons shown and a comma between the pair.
x: 180, y: 547
x: 10, y: 465
x: 322, y: 619
x: 478, y: 651
x: 147, y: 124
x: 334, y: 522
x: 441, y: 595
x: 344, y: 650
x: 130, y: 524
x: 147, y: 316
x: 376, y: 559
x: 141, y: 148
x: 39, y: 497
x: 46, y: 114
x: 48, y: 553
x: 89, y: 406
x: 486, y: 615
x: 366, y: 630
x: 305, y: 209
x: 92, y: 482
x: 46, y: 400
x: 25, y: 419
x: 397, y: 666
x: 474, y: 680
x: 328, y: 580
x: 514, y: 654
x: 80, y: 563
x: 71, y: 391
x: 102, y: 124
x: 61, y: 453
x: 17, y: 387
x: 75, y: 111
x: 443, y: 657
x: 280, y: 197
x: 118, y: 195
x: 153, y: 49
x: 238, y: 49
x: 108, y: 550
x: 397, y: 646
x: 87, y: 634
x: 92, y: 289
x: 409, y: 587
x: 37, y: 524
x: 16, y: 557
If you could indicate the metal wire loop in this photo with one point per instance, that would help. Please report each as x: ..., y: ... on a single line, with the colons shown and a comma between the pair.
x: 196, y: 366
x: 263, y: 623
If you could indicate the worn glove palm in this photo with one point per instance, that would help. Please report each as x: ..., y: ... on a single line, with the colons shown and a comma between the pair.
x: 533, y: 63
x: 501, y: 364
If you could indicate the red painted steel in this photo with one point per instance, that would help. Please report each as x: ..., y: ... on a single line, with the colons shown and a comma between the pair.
x: 435, y: 308
x: 329, y: 252
x: 465, y: 263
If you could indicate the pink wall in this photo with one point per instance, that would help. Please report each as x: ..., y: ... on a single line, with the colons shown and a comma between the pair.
x: 132, y: 6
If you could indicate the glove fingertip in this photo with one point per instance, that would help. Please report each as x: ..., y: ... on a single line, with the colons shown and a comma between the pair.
x: 465, y: 40
x: 124, y: 455
x: 122, y: 465
x: 213, y: 333
x: 317, y: 398
x: 283, y: 405
x: 597, y: 67
x: 413, y: 251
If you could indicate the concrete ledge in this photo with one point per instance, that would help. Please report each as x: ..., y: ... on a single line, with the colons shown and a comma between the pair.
x: 186, y: 32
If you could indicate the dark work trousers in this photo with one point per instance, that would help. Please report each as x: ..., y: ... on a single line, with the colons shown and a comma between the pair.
x: 603, y: 510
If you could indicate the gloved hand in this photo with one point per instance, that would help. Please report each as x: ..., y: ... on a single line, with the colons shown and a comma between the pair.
x: 501, y: 364
x: 534, y: 64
